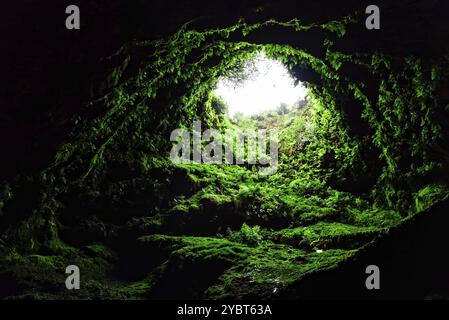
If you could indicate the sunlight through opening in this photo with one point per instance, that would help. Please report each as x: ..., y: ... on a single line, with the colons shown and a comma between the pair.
x: 268, y: 86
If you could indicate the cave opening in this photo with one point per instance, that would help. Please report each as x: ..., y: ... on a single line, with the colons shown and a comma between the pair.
x: 360, y: 156
x: 257, y: 113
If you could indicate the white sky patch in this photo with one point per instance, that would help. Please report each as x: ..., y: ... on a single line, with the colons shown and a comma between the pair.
x: 271, y: 85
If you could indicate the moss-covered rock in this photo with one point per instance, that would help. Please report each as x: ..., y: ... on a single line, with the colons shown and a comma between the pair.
x: 368, y: 149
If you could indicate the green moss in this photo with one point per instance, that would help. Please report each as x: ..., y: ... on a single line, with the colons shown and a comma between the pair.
x: 112, y: 173
x: 134, y: 291
x: 269, y: 270
x: 230, y: 269
x: 250, y: 236
x: 429, y: 195
x: 327, y: 235
x: 216, y: 199
x: 377, y: 218
x: 43, y: 276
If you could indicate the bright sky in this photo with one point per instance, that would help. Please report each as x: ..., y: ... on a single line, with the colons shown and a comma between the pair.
x: 270, y: 86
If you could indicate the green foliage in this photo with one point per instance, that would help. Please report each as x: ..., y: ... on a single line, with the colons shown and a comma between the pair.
x: 259, y: 233
x: 327, y: 235
x: 43, y: 276
x: 248, y: 235
x: 270, y: 269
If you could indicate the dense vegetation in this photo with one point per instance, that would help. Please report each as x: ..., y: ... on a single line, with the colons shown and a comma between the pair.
x: 358, y: 158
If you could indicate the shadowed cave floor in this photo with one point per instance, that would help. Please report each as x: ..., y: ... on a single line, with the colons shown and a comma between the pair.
x: 233, y: 234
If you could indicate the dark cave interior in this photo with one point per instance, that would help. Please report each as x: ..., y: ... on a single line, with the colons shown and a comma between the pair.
x: 87, y: 180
